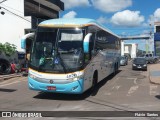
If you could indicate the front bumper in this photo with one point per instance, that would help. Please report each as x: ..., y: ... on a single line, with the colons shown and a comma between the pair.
x: 75, y: 87
x: 139, y: 67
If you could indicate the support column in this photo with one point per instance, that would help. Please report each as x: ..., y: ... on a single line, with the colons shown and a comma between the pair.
x: 122, y: 47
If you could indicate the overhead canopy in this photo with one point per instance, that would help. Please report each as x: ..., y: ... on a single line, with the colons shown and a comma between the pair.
x: 43, y: 8
x: 134, y: 38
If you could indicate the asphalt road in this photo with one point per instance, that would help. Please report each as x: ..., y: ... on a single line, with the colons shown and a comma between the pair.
x: 127, y: 91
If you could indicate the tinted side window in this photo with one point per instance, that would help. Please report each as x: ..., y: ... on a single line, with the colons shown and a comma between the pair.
x: 105, y: 40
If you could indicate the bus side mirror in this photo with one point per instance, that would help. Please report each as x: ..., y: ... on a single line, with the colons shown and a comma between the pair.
x: 23, y: 40
x: 86, y: 42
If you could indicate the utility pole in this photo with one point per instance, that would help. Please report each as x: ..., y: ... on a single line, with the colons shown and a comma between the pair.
x: 150, y: 39
x: 151, y: 42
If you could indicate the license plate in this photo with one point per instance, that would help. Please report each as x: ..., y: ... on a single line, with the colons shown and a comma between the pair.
x: 51, y: 88
x: 139, y: 67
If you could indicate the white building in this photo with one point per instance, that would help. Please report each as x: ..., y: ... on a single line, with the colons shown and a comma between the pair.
x: 11, y: 26
x: 13, y: 23
x: 129, y: 48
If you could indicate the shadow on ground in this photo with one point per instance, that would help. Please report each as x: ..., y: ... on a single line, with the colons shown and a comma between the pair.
x: 158, y: 97
x: 7, y: 90
x: 69, y: 97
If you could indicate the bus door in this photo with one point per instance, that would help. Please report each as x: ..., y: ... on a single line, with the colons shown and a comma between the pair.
x: 88, y: 46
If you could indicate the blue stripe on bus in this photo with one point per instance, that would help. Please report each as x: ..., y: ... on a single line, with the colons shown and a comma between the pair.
x: 60, y: 88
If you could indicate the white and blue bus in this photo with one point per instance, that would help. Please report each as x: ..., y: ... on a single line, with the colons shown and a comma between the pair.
x: 72, y: 55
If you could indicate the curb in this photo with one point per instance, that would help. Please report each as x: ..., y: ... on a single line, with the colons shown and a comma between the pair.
x: 153, y: 82
x: 151, y: 79
x: 6, y: 77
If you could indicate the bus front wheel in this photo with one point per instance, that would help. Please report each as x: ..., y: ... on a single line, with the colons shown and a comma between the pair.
x: 94, y: 82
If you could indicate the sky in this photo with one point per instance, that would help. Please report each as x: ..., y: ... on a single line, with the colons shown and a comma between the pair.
x: 123, y: 17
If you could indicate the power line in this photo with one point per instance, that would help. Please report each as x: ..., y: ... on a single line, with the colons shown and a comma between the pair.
x: 12, y: 8
x: 15, y: 14
x: 3, y: 1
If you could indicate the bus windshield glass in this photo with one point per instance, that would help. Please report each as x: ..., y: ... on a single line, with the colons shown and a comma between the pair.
x: 57, y: 50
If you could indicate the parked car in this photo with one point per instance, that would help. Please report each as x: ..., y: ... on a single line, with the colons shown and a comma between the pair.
x: 124, y: 60
x: 139, y: 63
x: 127, y: 55
x: 151, y: 58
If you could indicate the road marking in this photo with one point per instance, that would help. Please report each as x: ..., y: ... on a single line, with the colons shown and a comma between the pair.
x: 116, y: 87
x: 142, y: 105
x: 153, y: 89
x: 134, y: 80
x: 107, y: 93
x: 113, y: 82
x: 112, y: 89
x: 9, y: 83
x: 11, y: 80
x: 6, y: 83
x: 132, y: 90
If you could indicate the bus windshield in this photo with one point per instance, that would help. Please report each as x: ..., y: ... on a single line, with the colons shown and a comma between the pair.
x: 57, y: 50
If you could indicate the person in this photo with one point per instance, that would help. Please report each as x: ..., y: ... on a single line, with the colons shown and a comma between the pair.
x: 13, y: 69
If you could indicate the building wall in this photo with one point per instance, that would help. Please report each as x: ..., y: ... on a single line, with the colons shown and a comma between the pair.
x: 134, y: 51
x: 11, y: 26
x: 157, y: 38
x: 131, y: 49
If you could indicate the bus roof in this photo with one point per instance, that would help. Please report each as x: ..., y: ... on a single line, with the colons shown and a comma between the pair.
x: 74, y: 22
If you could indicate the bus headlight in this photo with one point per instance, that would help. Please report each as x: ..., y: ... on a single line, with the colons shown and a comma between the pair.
x: 74, y: 77
x: 32, y: 76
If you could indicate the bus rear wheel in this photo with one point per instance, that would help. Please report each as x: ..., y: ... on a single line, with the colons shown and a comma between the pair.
x: 115, y: 70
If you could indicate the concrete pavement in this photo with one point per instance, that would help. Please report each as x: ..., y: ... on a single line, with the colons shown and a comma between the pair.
x: 154, y: 73
x: 6, y: 77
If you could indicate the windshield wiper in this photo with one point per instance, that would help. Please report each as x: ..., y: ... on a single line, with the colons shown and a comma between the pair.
x: 57, y: 54
x: 61, y: 61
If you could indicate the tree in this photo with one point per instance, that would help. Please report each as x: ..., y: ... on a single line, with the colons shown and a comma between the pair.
x: 2, y: 48
x: 8, y: 48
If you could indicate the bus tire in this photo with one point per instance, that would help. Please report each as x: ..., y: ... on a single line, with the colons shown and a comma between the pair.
x: 115, y: 70
x: 94, y: 82
x: 116, y: 67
